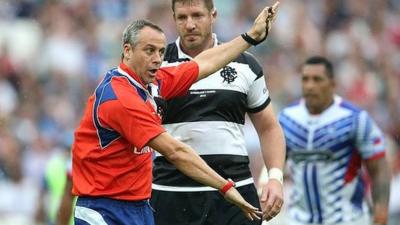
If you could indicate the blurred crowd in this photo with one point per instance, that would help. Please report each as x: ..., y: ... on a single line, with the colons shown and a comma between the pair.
x: 53, y: 52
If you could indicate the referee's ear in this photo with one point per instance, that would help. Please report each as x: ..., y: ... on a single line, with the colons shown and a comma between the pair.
x: 214, y: 14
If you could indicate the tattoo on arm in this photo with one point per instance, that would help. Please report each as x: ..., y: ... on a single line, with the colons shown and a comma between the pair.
x: 380, y: 176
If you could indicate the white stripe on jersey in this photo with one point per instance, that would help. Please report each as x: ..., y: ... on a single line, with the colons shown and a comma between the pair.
x: 195, y: 189
x: 246, y: 82
x: 210, y: 137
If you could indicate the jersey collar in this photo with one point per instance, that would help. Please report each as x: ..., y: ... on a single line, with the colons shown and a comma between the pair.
x: 337, y: 100
x: 131, y: 75
x: 182, y: 55
x: 134, y: 78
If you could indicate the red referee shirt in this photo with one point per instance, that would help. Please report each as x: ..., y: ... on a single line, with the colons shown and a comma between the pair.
x: 109, y: 153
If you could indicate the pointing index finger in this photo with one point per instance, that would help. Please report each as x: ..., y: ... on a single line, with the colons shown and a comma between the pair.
x: 275, y: 5
x: 272, y: 10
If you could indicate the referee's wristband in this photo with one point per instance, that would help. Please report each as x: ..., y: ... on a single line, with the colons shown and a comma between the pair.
x: 275, y: 173
x: 227, y: 186
x: 251, y: 40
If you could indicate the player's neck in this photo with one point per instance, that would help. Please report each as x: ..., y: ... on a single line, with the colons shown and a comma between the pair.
x: 316, y: 110
x: 194, y: 51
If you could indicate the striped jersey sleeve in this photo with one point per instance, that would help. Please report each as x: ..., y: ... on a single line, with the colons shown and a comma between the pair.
x: 258, y: 95
x: 370, y: 139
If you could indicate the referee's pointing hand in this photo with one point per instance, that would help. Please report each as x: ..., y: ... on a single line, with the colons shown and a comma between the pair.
x: 251, y: 212
x: 263, y: 23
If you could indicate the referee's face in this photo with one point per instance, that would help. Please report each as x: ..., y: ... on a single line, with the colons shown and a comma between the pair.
x: 194, y: 24
x: 146, y: 56
x: 318, y: 88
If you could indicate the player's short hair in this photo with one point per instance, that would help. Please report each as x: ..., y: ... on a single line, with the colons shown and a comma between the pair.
x: 131, y: 32
x: 208, y: 3
x: 321, y: 60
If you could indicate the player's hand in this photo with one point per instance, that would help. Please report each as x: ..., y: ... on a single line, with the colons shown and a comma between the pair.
x: 271, y: 199
x: 251, y: 212
x: 263, y: 23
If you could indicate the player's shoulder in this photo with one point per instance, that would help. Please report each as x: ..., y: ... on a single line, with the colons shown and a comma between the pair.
x: 292, y: 110
x: 171, y: 56
x: 171, y: 53
x: 249, y: 59
x: 347, y: 105
x: 171, y: 47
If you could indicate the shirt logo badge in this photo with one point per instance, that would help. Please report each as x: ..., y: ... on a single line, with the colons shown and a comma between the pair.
x: 229, y: 74
x: 144, y: 150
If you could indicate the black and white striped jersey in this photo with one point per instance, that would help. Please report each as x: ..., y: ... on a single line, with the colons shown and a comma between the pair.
x: 210, y: 118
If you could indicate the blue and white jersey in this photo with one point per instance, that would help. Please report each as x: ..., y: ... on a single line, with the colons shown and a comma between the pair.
x: 325, y: 152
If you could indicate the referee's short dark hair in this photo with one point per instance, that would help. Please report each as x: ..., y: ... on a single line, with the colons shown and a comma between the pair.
x: 321, y: 60
x: 208, y: 3
x: 131, y: 32
x: 130, y: 35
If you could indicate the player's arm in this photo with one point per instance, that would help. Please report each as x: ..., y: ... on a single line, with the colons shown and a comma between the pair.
x: 370, y: 143
x: 64, y: 212
x: 188, y: 162
x: 215, y: 58
x: 380, y: 176
x: 273, y: 151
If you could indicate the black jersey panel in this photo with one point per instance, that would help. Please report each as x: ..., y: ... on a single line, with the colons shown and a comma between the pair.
x: 228, y: 166
x: 206, y: 105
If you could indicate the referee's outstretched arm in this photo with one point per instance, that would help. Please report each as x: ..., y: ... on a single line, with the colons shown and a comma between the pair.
x: 213, y: 59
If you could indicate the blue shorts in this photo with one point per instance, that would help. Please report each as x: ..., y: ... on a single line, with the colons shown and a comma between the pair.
x: 106, y: 211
